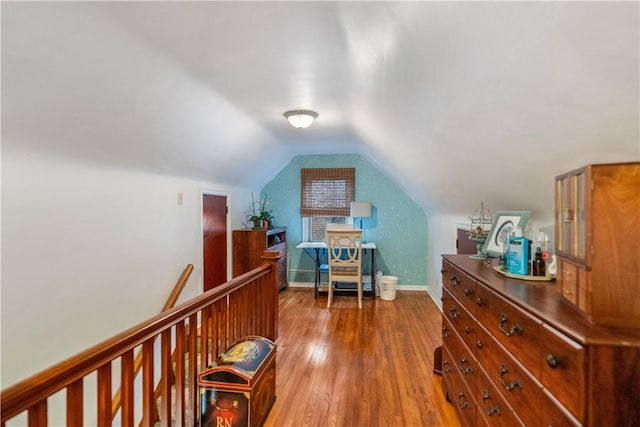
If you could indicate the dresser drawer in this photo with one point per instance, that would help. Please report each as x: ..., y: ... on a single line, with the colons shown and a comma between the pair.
x: 459, y: 318
x: 448, y: 367
x: 553, y: 414
x: 457, y: 391
x: 483, y: 345
x: 564, y: 369
x: 483, y: 304
x: 568, y: 281
x: 518, y: 387
x: 517, y: 331
x: 493, y: 409
x: 462, y: 357
x: 459, y: 284
x: 574, y: 285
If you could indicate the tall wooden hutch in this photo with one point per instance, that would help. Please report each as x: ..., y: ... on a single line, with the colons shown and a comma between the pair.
x: 598, y: 241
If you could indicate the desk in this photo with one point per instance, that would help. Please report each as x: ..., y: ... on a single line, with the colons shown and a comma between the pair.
x: 314, y: 248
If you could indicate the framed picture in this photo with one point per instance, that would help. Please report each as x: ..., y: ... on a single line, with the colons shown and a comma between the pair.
x: 503, y: 223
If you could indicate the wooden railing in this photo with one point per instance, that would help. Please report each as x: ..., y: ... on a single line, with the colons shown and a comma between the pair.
x: 137, y: 363
x: 191, y: 335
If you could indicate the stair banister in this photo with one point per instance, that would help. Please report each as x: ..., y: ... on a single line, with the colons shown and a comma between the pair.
x: 221, y: 311
x: 171, y: 302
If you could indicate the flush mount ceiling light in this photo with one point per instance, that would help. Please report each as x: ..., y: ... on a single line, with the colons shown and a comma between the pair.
x: 300, y: 118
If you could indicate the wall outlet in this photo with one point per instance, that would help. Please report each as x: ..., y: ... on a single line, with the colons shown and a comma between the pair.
x: 180, y: 198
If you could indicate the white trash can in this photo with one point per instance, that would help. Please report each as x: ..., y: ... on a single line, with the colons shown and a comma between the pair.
x: 388, y: 287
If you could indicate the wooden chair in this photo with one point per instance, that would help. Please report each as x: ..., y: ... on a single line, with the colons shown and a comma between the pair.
x: 344, y: 255
x: 324, y: 268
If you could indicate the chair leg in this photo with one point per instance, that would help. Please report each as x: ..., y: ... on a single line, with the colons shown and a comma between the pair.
x: 360, y: 294
x: 329, y: 293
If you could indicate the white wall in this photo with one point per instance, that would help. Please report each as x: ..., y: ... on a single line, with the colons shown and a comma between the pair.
x: 441, y: 241
x: 88, y: 251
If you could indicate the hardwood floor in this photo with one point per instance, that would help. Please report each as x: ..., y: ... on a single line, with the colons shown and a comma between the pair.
x: 350, y: 367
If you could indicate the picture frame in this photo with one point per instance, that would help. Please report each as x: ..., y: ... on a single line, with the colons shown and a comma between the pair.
x: 503, y: 220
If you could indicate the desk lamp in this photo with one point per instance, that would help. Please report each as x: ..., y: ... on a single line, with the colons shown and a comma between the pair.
x: 360, y: 210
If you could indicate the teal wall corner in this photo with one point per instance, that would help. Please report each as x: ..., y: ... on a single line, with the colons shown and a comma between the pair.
x: 398, y: 225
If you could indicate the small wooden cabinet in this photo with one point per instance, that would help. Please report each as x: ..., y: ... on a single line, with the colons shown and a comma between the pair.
x: 598, y: 241
x: 249, y: 246
x: 515, y: 353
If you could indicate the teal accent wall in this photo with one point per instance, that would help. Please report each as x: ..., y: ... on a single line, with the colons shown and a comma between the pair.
x: 398, y: 225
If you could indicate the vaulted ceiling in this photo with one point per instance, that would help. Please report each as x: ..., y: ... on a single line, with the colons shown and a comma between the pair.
x: 460, y: 102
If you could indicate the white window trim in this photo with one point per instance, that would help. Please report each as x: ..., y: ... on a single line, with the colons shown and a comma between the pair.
x: 307, y: 223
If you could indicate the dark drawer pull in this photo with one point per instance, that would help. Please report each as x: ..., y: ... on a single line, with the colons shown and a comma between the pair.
x: 480, y: 302
x: 465, y: 369
x: 446, y: 368
x: 453, y: 313
x: 453, y: 281
x: 479, y: 344
x: 462, y: 405
x: 552, y: 361
x: 445, y: 333
x: 468, y: 291
x: 467, y: 330
x: 515, y: 329
x: 508, y: 387
x: 491, y: 411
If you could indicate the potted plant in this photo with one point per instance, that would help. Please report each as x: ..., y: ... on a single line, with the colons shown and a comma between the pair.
x: 261, y: 216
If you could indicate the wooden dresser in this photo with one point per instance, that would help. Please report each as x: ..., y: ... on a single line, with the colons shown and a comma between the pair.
x: 518, y: 353
x: 249, y: 246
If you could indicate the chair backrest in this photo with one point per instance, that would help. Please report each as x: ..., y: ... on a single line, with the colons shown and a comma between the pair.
x: 336, y: 226
x: 344, y: 247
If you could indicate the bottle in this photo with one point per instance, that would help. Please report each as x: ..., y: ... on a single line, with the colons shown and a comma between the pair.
x: 543, y: 241
x: 518, y: 254
x: 529, y: 253
x: 538, y: 264
x: 505, y: 235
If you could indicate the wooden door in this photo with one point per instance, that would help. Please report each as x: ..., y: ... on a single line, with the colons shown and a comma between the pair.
x: 214, y: 240
x: 463, y: 244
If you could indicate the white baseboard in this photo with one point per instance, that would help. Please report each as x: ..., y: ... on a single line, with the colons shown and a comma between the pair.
x: 434, y: 297
x: 301, y: 285
x: 418, y: 288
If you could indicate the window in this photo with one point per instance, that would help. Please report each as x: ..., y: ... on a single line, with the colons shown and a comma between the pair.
x: 314, y: 227
x: 325, y: 197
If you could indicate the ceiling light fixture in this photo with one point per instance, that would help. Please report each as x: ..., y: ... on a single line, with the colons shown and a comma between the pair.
x: 300, y: 118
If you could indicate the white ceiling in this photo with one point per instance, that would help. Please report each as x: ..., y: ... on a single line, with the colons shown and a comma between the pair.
x: 460, y: 102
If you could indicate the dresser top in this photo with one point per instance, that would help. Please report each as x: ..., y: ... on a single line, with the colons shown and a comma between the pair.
x: 543, y: 300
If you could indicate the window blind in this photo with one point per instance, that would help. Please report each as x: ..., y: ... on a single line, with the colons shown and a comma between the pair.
x: 327, y: 191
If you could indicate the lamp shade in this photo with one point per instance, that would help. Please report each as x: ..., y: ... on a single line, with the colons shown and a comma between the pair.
x: 360, y: 209
x: 300, y: 118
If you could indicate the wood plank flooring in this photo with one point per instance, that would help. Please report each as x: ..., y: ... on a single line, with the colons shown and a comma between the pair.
x: 348, y: 367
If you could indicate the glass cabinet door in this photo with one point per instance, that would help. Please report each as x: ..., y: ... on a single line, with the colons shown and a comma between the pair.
x: 580, y: 223
x: 571, y: 227
x: 565, y: 214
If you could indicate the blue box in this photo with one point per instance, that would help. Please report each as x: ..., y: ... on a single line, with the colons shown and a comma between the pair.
x: 519, y: 255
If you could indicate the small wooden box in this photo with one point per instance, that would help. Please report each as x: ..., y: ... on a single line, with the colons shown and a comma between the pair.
x: 238, y: 389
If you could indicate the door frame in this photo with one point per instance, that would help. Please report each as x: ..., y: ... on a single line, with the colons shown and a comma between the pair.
x: 213, y: 192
